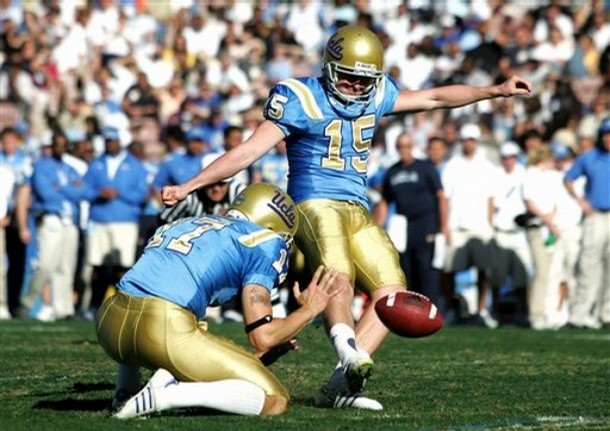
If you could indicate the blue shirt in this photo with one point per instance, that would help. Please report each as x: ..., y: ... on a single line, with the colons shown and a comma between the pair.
x: 57, y: 188
x: 129, y: 181
x: 198, y: 261
x: 178, y: 169
x: 328, y: 145
x: 595, y: 166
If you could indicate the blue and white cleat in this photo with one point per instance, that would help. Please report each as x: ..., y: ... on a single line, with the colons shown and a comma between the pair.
x: 329, y: 399
x: 143, y: 403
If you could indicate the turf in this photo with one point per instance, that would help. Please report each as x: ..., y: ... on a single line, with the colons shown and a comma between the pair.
x: 56, y: 377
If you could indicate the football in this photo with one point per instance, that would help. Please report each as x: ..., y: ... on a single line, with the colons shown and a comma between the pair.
x: 409, y: 314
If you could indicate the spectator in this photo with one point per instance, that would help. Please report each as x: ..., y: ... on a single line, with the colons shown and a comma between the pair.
x: 170, y: 100
x: 116, y: 190
x: 468, y: 182
x: 204, y: 35
x: 519, y: 51
x: 414, y: 186
x: 7, y: 183
x: 556, y: 51
x: 584, y: 62
x: 592, y: 288
x: 182, y: 166
x: 569, y: 223
x: 512, y: 264
x: 541, y: 188
x: 437, y: 152
x: 179, y: 56
x: 79, y: 156
x: 415, y: 68
x: 17, y: 236
x: 57, y: 189
x: 140, y: 100
x: 232, y: 137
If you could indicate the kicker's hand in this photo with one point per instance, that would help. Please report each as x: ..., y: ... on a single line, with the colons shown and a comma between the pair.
x: 171, y: 195
x: 515, y: 86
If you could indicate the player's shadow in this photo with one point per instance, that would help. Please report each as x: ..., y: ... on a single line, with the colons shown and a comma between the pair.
x: 75, y: 404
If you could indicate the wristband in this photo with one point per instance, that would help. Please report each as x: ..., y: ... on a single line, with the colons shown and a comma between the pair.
x: 260, y: 322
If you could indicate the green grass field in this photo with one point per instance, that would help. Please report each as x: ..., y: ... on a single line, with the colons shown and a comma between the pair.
x: 56, y: 377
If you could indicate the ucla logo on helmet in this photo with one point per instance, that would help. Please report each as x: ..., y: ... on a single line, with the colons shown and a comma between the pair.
x: 283, y: 209
x: 334, y: 47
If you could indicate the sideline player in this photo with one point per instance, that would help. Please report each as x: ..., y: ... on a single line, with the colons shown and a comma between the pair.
x: 152, y: 321
x: 328, y: 123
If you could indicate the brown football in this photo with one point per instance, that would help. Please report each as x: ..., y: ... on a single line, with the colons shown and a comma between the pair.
x: 409, y: 314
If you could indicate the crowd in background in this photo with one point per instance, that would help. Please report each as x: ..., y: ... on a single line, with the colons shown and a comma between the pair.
x: 152, y: 88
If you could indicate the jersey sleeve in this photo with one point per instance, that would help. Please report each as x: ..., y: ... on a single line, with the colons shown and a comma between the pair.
x: 285, y: 109
x: 268, y: 264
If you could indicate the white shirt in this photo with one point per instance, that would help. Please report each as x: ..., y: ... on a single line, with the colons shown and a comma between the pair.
x: 542, y: 188
x: 569, y: 213
x: 508, y: 198
x: 468, y: 184
x: 7, y: 182
x: 414, y: 72
x: 207, y: 39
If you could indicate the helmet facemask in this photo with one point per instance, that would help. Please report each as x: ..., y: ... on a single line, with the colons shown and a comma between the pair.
x: 332, y: 74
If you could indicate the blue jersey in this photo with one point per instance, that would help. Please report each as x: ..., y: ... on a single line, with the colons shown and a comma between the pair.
x: 198, y: 261
x: 328, y: 145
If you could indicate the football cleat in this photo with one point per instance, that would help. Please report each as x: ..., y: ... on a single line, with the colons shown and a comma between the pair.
x: 357, y: 372
x: 143, y: 403
x: 120, y: 398
x: 327, y: 399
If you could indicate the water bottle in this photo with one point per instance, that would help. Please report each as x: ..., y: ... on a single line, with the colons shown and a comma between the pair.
x: 550, y: 239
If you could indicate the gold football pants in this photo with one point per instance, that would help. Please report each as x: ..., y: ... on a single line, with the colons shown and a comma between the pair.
x: 155, y: 333
x: 344, y: 236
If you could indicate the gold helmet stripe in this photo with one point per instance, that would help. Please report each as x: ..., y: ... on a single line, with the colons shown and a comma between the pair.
x: 258, y: 237
x: 306, y: 97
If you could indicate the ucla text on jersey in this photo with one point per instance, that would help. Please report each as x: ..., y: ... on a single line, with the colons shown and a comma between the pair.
x: 328, y: 146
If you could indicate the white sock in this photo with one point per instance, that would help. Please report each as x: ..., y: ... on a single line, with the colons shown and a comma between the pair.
x: 128, y: 378
x: 231, y: 396
x: 343, y: 338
